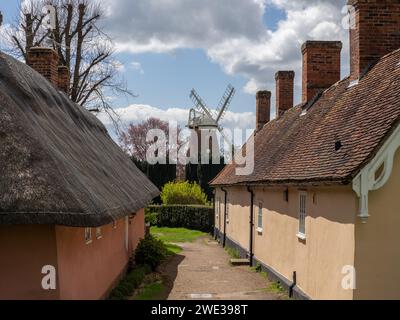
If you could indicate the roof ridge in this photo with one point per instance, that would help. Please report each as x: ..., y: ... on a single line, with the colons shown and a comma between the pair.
x: 293, y: 148
x: 79, y: 167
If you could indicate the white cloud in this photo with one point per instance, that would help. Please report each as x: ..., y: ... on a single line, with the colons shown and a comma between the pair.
x: 119, y: 66
x: 231, y: 32
x: 4, y: 30
x: 139, y: 112
x: 165, y: 25
x: 137, y: 67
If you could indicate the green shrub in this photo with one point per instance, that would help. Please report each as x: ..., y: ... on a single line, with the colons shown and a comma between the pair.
x: 126, y: 287
x: 191, y: 217
x: 116, y: 294
x: 151, y: 252
x: 179, y: 193
x: 132, y: 281
x: 151, y: 217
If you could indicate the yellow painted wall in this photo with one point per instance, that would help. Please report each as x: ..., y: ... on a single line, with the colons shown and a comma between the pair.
x: 329, y: 246
x: 377, y: 254
x: 239, y: 214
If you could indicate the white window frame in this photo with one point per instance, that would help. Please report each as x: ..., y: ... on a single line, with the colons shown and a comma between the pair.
x: 302, y: 215
x: 99, y: 233
x: 260, y: 227
x: 217, y: 208
x: 88, y: 235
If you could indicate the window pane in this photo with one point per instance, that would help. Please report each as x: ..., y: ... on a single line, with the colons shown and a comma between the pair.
x: 302, y: 213
x: 260, y: 222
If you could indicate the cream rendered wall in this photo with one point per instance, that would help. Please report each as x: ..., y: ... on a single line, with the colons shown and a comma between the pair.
x: 377, y: 255
x: 329, y: 245
x: 319, y: 259
x: 238, y: 224
x: 238, y: 228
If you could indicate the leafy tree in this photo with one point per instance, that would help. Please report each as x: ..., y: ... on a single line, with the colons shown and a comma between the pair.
x: 183, y: 192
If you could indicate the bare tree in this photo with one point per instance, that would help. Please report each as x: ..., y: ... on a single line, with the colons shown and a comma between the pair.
x: 81, y: 44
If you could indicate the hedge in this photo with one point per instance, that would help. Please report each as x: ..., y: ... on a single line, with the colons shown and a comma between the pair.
x: 182, y: 216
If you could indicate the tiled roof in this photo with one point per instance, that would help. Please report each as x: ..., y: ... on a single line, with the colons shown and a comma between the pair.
x: 300, y: 148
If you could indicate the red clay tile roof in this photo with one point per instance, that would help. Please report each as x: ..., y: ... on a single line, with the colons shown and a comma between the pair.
x: 301, y: 148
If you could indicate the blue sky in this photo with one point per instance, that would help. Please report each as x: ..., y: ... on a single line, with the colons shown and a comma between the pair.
x: 165, y: 79
x: 167, y: 48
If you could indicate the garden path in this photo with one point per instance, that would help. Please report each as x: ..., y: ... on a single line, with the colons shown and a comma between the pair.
x: 202, y: 271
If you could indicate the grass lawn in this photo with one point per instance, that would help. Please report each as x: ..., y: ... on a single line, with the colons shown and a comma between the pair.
x: 176, y: 235
x: 150, y: 292
x: 233, y: 253
x: 153, y: 288
x: 172, y: 249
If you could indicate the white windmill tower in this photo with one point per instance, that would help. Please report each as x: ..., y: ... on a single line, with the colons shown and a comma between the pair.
x: 49, y: 23
x: 203, y: 118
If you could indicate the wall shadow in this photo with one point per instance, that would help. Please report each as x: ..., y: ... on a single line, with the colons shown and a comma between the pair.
x: 169, y: 273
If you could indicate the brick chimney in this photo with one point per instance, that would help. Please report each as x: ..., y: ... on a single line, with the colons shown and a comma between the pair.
x: 263, y: 108
x: 63, y: 79
x: 284, y: 91
x: 44, y: 61
x: 375, y: 32
x: 321, y: 66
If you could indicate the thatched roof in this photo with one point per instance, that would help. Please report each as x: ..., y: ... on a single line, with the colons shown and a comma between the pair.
x: 331, y: 138
x: 58, y: 165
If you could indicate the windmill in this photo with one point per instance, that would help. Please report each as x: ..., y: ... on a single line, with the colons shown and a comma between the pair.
x: 202, y: 117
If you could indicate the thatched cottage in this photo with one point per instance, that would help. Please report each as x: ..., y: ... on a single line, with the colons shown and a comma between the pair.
x: 321, y: 211
x: 70, y: 200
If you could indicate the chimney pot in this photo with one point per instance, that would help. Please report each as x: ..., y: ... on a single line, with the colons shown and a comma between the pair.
x: 263, y: 106
x: 284, y: 91
x: 375, y: 33
x: 321, y: 66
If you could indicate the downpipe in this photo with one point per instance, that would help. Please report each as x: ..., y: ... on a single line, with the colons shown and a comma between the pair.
x: 291, y: 288
x: 215, y: 226
x: 225, y: 202
x: 251, y: 236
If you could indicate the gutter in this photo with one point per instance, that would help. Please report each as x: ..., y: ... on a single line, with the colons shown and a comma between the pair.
x: 292, y: 183
x: 226, y: 196
x: 251, y: 236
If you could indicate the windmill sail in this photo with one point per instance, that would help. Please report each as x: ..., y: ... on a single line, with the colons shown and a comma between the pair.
x: 201, y: 106
x: 225, y: 102
x: 201, y: 116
